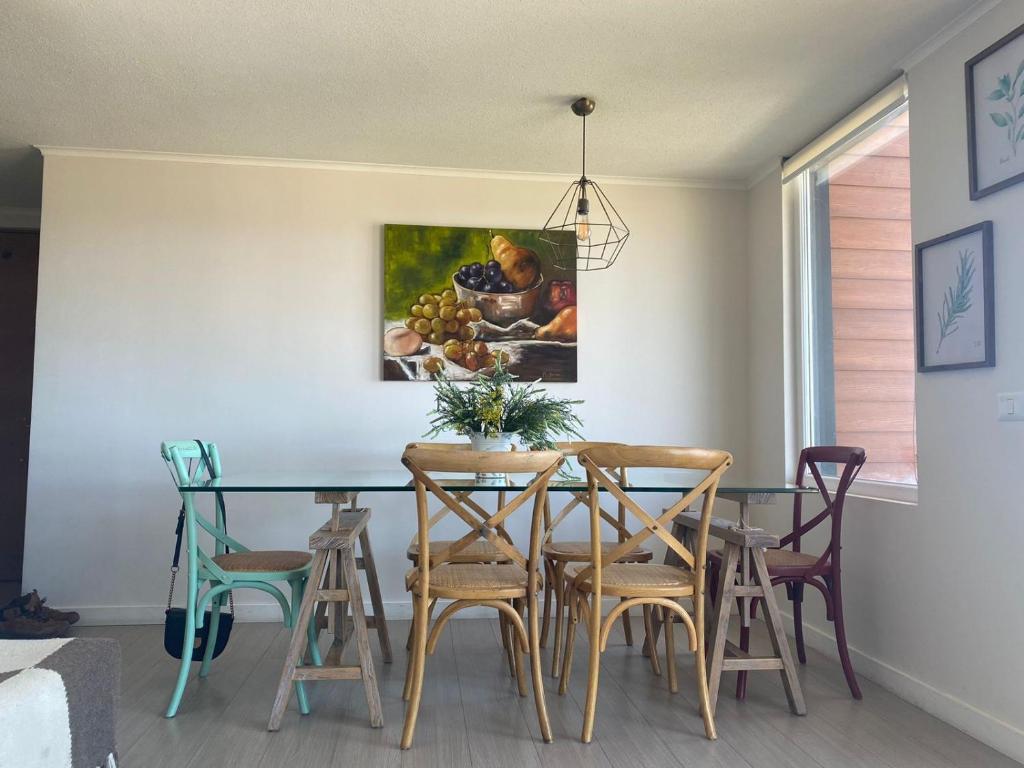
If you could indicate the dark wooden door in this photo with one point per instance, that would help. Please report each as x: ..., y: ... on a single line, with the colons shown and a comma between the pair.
x: 19, y: 267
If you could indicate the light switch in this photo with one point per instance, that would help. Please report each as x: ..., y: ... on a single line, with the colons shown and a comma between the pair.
x: 1011, y: 406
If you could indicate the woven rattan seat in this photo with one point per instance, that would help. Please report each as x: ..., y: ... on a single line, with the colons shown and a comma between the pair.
x: 455, y: 580
x: 781, y: 558
x: 639, y: 580
x: 787, y: 558
x: 480, y: 551
x: 268, y: 560
x: 579, y: 552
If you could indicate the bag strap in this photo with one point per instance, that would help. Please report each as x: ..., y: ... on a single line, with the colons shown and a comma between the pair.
x: 179, y: 529
x: 218, y: 494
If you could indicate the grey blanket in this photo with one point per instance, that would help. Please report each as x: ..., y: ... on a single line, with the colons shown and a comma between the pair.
x: 58, y: 703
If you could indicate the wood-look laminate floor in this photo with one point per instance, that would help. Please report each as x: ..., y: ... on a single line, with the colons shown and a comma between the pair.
x: 472, y: 716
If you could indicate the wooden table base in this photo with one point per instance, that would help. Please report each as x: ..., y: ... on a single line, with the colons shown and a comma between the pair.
x: 723, y: 655
x: 335, y: 560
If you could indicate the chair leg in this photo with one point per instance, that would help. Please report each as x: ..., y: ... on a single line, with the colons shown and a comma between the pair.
x: 703, y: 694
x: 560, y: 607
x: 570, y: 639
x: 741, y: 677
x: 420, y: 654
x: 517, y: 651
x: 594, y: 671
x: 410, y: 663
x: 627, y: 626
x: 649, y: 640
x: 548, y: 597
x: 840, y: 625
x: 506, y: 643
x: 188, y: 643
x: 211, y: 635
x: 798, y: 620
x: 538, y: 675
x: 670, y: 650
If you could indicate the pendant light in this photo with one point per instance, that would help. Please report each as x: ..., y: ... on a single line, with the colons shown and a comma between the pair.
x: 585, y: 232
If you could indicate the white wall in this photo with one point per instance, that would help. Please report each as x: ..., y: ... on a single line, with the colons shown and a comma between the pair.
x: 766, y: 328
x: 242, y: 304
x: 932, y: 590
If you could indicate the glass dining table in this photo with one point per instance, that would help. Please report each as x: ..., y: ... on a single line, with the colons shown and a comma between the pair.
x: 345, y: 485
x: 734, y: 487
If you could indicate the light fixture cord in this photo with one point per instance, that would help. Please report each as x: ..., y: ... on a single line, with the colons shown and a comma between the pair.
x: 584, y: 146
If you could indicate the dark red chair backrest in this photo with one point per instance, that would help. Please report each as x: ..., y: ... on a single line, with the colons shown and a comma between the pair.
x: 850, y: 460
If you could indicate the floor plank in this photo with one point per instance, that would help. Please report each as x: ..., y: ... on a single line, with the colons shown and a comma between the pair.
x: 499, y: 735
x: 472, y: 714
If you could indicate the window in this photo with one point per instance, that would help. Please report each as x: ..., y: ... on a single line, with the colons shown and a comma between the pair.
x: 857, y: 318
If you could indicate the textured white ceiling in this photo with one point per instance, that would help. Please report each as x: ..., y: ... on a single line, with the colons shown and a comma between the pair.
x: 699, y: 89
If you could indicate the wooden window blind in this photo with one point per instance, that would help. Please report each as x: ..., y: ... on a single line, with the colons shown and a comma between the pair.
x: 867, y: 186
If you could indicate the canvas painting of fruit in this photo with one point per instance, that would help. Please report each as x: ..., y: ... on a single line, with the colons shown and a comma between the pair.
x: 458, y: 299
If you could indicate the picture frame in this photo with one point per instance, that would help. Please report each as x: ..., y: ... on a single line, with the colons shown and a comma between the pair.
x: 441, y: 315
x: 994, y: 91
x: 954, y: 300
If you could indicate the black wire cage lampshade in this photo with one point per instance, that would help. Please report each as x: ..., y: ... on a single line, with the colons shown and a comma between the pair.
x: 585, y: 232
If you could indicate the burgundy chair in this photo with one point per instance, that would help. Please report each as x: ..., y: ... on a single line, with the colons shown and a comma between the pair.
x: 795, y: 568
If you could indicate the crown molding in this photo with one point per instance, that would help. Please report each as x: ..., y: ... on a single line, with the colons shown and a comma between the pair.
x: 19, y: 218
x: 339, y: 165
x: 774, y: 166
x: 947, y: 33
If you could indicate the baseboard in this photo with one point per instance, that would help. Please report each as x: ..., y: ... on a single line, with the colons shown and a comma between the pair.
x: 986, y: 728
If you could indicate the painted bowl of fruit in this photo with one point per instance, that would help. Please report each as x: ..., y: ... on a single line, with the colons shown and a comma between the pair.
x: 499, y: 299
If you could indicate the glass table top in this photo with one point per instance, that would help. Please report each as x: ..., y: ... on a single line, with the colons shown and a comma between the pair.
x: 644, y: 480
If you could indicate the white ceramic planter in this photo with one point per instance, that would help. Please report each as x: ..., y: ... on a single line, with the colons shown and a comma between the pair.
x: 501, y: 442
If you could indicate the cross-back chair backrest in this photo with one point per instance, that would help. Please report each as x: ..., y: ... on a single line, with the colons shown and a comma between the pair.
x: 851, y: 460
x: 597, y: 461
x: 189, y: 466
x: 421, y: 462
x: 578, y: 498
x: 461, y: 496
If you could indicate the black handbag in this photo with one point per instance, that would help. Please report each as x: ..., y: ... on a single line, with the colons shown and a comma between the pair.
x: 174, y: 618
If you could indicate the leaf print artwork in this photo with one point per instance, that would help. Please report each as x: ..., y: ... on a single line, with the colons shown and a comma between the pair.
x: 1010, y: 114
x: 957, y: 301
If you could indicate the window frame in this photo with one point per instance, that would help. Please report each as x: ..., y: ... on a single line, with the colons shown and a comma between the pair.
x: 893, y: 100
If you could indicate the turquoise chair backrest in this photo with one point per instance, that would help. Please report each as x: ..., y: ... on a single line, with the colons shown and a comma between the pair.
x: 188, y: 468
x: 186, y: 462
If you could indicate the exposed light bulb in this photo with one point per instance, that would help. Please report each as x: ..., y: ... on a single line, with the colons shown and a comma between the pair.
x: 582, y: 228
x: 583, y: 220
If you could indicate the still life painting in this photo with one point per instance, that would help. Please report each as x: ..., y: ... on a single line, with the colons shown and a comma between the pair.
x: 465, y: 300
x: 955, y: 312
x: 995, y: 115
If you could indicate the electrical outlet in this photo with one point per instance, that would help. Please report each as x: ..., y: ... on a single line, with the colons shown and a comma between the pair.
x: 1011, y: 406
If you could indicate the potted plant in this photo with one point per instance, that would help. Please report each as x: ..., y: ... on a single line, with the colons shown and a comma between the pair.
x: 493, y: 411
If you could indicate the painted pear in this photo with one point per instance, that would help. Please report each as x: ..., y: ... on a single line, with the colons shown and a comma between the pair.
x: 519, y: 265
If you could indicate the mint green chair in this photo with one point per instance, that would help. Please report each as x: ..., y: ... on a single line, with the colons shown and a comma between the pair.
x: 225, y: 571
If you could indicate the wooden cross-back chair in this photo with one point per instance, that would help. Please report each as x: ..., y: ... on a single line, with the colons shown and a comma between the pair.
x: 796, y: 568
x: 224, y: 570
x: 558, y: 553
x: 479, y: 551
x: 509, y: 586
x: 649, y: 585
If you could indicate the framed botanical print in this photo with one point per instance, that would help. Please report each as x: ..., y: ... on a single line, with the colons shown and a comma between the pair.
x: 995, y: 115
x: 955, y: 311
